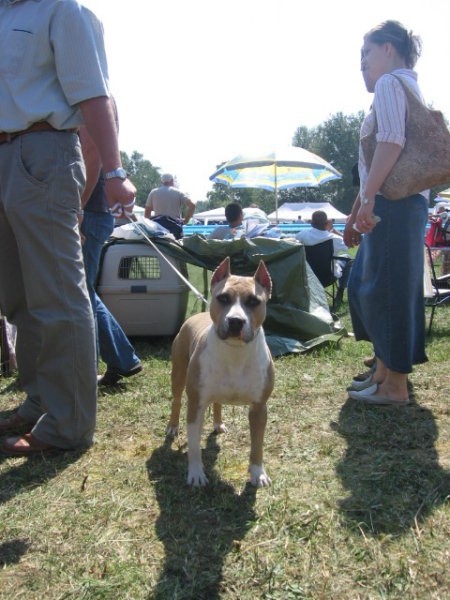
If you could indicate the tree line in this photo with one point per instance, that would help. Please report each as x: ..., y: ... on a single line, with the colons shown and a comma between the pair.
x: 336, y: 140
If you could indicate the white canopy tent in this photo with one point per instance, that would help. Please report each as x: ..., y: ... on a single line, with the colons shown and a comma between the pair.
x: 218, y: 214
x: 215, y: 214
x: 290, y: 211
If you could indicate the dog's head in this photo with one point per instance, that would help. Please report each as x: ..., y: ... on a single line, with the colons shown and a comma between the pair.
x: 238, y: 304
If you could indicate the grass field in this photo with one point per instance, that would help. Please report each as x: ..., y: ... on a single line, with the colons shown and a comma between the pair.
x: 359, y: 506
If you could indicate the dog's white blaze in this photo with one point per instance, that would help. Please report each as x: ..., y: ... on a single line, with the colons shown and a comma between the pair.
x: 237, y: 311
x: 239, y: 377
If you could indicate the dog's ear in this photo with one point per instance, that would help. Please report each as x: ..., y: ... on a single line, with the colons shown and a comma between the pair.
x: 263, y: 278
x: 222, y: 272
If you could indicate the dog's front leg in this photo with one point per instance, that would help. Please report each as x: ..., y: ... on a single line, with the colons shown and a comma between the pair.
x: 257, y: 418
x: 196, y: 473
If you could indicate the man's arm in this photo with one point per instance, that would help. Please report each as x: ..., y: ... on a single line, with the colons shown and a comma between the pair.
x: 92, y: 163
x: 189, y: 211
x: 99, y: 120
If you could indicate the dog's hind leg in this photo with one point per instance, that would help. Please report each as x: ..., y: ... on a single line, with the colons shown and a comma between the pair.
x: 257, y: 418
x: 173, y: 425
x: 179, y: 369
x: 219, y: 426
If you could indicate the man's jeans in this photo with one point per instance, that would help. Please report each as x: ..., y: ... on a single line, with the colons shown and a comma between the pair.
x: 113, y: 345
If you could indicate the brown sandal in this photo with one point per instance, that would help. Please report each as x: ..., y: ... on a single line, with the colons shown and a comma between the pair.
x: 25, y: 445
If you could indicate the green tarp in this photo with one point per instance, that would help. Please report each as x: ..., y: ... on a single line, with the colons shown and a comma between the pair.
x: 298, y: 317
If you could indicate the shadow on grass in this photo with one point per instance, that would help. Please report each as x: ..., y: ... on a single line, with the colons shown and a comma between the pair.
x: 32, y: 471
x: 390, y: 467
x: 11, y: 552
x: 198, y: 527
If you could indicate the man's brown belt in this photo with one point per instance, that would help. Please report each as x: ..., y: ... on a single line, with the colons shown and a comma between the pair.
x: 41, y: 126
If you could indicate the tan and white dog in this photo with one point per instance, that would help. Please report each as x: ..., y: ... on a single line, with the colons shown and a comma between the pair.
x: 222, y: 357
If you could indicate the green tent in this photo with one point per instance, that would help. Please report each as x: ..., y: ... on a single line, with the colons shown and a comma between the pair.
x: 298, y: 316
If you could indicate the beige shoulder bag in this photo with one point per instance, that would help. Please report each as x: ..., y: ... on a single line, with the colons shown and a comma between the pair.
x: 425, y: 159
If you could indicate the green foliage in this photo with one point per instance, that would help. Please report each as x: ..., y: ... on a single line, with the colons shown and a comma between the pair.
x: 221, y: 195
x: 336, y: 140
x: 142, y: 173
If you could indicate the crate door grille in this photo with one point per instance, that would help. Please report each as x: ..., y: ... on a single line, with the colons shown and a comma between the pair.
x: 139, y: 267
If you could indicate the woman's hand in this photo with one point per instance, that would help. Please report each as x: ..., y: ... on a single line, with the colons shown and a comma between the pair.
x: 352, y: 237
x: 365, y: 219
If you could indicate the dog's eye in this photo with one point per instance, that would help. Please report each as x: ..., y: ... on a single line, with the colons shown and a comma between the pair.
x: 224, y: 299
x: 253, y: 301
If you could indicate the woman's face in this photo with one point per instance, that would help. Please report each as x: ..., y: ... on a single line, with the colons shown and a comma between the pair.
x: 375, y: 62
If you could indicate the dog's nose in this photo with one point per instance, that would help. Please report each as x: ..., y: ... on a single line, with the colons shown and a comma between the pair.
x: 235, y: 325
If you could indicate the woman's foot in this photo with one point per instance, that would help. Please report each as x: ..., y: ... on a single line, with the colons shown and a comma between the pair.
x: 377, y: 396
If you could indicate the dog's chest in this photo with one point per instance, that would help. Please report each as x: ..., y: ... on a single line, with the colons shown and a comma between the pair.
x: 233, y: 374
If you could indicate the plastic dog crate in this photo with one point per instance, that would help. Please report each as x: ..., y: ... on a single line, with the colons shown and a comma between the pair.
x: 141, y: 290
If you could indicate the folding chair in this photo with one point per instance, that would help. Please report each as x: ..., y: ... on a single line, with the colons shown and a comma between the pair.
x: 320, y: 259
x: 440, y: 285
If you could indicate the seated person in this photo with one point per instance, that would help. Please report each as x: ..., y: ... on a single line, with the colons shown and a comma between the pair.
x: 167, y: 203
x: 322, y: 229
x: 234, y: 216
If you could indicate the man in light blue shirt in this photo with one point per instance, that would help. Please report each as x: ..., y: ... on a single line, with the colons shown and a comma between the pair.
x: 53, y: 78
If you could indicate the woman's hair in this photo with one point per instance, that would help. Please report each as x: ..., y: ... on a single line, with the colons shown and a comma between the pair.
x: 408, y: 45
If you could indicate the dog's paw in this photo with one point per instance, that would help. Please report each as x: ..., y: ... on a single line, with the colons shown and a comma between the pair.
x: 258, y: 476
x: 196, y: 476
x: 220, y: 428
x: 172, y: 430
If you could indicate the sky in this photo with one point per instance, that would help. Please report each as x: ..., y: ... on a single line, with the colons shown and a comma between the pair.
x: 198, y: 82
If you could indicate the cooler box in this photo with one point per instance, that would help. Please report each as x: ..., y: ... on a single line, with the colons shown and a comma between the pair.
x: 141, y: 290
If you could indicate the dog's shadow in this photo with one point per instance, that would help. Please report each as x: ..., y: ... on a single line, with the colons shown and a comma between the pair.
x: 198, y: 527
x: 390, y: 467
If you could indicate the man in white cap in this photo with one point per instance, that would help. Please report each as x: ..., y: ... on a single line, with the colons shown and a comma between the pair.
x: 168, y: 204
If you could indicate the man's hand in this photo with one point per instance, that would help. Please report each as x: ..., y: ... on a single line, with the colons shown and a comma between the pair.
x: 120, y: 194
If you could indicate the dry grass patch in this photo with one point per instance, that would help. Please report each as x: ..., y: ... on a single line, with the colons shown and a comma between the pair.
x: 358, y: 507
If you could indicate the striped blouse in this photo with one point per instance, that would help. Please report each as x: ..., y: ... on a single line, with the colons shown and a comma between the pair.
x: 390, y: 106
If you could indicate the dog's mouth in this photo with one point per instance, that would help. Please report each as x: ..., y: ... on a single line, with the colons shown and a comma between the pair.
x: 235, y: 329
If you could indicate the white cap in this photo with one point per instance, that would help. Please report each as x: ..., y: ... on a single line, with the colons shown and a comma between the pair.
x: 166, y: 178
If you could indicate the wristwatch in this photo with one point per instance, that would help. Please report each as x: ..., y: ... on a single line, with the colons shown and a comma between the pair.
x: 365, y: 201
x: 120, y: 173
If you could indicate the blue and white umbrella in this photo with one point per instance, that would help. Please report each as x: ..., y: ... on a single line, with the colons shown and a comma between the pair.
x: 282, y: 169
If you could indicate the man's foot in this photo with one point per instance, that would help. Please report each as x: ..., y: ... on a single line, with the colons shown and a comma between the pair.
x: 113, y: 376
x: 25, y: 445
x: 15, y: 423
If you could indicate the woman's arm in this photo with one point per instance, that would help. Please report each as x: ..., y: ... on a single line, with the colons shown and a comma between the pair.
x: 385, y: 156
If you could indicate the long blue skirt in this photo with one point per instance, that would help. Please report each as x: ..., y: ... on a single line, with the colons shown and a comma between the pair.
x: 385, y: 289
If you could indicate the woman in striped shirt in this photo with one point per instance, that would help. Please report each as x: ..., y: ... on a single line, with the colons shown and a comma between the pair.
x: 386, y: 285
